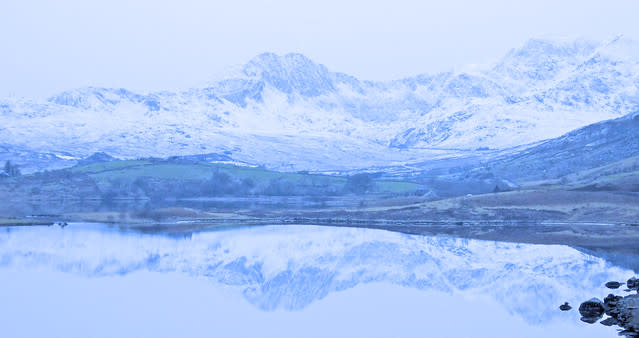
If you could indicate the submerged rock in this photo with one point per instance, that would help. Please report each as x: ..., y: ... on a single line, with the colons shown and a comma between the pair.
x: 633, y: 283
x: 565, y: 307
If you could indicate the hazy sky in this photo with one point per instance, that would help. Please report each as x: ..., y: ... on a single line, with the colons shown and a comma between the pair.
x: 49, y: 46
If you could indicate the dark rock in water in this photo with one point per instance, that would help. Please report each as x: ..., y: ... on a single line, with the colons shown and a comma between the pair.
x: 623, y: 311
x: 613, y: 285
x: 611, y: 300
x: 591, y: 310
x: 565, y: 307
x: 610, y: 321
x: 610, y: 304
x: 590, y: 320
x: 628, y: 333
x: 626, y: 315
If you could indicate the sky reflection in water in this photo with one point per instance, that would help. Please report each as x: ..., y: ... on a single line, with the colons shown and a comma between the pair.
x: 280, y: 281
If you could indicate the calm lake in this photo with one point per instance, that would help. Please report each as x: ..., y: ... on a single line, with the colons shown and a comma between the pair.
x: 92, y: 280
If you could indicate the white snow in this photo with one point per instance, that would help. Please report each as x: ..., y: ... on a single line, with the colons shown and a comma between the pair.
x: 289, y: 113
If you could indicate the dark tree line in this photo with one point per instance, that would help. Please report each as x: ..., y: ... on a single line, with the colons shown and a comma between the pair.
x: 224, y: 184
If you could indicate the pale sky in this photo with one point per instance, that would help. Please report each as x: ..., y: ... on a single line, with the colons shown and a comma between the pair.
x: 50, y: 46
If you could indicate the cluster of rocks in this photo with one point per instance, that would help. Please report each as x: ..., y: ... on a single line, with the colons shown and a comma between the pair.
x: 622, y: 311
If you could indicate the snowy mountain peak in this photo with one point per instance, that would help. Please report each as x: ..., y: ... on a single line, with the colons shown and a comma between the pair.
x: 543, y: 59
x: 290, y: 73
x: 290, y: 113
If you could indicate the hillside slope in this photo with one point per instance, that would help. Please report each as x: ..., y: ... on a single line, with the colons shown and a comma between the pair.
x: 605, y: 144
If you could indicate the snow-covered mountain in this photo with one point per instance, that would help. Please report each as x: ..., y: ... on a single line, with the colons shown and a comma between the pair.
x: 291, y: 267
x: 289, y: 113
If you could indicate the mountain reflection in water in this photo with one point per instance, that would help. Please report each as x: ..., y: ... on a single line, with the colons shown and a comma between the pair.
x: 287, y: 271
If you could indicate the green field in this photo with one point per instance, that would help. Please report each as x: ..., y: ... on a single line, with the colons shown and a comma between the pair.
x: 161, y: 179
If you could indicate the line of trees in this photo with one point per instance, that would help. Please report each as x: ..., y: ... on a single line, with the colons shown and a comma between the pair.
x: 223, y: 184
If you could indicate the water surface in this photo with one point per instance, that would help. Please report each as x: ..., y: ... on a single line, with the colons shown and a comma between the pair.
x: 289, y: 281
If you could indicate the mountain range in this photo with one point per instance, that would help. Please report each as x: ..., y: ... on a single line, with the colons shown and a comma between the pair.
x: 287, y: 112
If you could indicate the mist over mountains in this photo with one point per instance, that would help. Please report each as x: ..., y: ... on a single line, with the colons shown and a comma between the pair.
x: 287, y: 112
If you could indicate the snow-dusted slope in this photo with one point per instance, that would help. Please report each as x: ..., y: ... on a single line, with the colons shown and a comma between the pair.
x: 288, y: 112
x: 290, y: 267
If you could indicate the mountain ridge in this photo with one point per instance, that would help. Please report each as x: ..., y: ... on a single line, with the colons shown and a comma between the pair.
x: 280, y: 111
